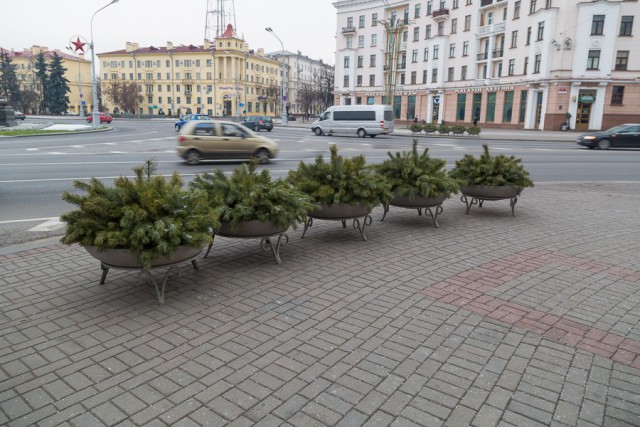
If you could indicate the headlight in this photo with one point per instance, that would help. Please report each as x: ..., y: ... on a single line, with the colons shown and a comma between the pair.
x: 589, y: 137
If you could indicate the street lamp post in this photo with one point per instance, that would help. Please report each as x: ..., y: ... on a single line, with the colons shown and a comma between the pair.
x: 283, y: 110
x: 95, y: 114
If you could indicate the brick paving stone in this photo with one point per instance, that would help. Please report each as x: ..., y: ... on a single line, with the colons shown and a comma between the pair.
x: 491, y: 320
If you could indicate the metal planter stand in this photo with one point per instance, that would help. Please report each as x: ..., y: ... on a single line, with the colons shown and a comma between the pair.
x: 419, y: 203
x: 342, y: 213
x: 478, y: 194
x: 256, y: 230
x: 123, y: 259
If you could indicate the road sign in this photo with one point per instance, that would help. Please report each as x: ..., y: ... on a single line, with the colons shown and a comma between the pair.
x: 436, y: 100
x: 241, y: 104
x: 84, y: 103
x: 155, y: 107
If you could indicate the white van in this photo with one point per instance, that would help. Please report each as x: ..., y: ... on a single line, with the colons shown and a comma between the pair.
x: 361, y: 120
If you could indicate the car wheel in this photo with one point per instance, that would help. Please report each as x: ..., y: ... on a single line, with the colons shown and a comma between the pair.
x: 193, y: 157
x: 269, y: 130
x: 604, y: 144
x: 262, y: 156
x: 362, y: 133
x: 256, y: 128
x: 318, y: 131
x: 372, y: 136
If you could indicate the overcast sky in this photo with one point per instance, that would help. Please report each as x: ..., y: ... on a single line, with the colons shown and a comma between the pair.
x: 305, y: 25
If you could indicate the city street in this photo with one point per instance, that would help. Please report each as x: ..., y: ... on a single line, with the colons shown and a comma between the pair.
x: 34, y: 171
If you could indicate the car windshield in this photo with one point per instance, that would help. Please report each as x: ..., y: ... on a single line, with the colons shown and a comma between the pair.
x: 616, y: 129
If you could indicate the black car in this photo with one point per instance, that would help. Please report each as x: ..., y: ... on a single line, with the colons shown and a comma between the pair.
x: 620, y: 136
x: 258, y: 123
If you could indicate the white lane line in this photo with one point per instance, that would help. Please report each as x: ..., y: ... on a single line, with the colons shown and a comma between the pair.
x: 117, y: 152
x: 32, y: 149
x: 13, y: 221
x: 50, y: 225
x: 56, y: 153
x: 76, y: 146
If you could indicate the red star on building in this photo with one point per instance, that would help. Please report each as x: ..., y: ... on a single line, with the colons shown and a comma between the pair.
x: 79, y: 45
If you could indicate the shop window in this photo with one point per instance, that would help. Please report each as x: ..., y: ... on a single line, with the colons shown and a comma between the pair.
x: 617, y: 95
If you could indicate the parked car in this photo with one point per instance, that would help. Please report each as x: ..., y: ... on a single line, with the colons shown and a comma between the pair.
x: 19, y: 115
x: 258, y: 123
x: 200, y: 140
x: 188, y: 117
x: 104, y: 118
x: 617, y: 137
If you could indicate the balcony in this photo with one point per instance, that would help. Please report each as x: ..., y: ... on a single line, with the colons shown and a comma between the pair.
x: 487, y: 30
x: 403, y: 46
x: 348, y: 30
x: 498, y: 53
x: 440, y: 15
x: 483, y: 56
x: 488, y: 3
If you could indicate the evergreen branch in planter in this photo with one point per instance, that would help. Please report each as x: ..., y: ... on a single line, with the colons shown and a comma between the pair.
x: 150, y: 215
x: 248, y: 195
x: 493, y: 171
x: 412, y: 174
x: 342, y: 180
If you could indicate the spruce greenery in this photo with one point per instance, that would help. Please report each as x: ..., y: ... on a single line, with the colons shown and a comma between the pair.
x: 411, y: 174
x: 247, y: 195
x: 493, y: 171
x: 458, y: 129
x: 347, y: 181
x: 150, y: 215
x: 57, y: 87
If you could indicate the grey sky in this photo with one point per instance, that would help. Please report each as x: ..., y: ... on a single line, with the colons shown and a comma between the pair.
x: 305, y: 25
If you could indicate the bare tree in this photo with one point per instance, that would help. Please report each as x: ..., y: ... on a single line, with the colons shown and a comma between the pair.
x: 123, y: 95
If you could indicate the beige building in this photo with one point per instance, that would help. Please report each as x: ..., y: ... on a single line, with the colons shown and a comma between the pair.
x: 222, y: 78
x: 523, y: 64
x: 78, y: 74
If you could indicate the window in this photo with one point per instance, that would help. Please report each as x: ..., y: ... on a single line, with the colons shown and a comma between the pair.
x: 372, y: 61
x: 346, y: 81
x: 461, y: 107
x: 467, y: 23
x: 402, y: 78
x: 427, y: 32
x: 414, y: 55
x: 507, y: 113
x: 536, y: 63
x: 416, y: 34
x: 361, y: 21
x: 372, y: 79
x: 436, y: 52
x: 403, y: 61
x: 540, y: 31
x: 489, y: 18
x: 426, y: 54
x: 514, y: 38
x: 548, y: 4
x: 525, y: 69
x: 360, y: 61
x: 349, y: 42
x: 441, y: 28
x: 523, y: 106
x: 455, y: 4
x: 346, y: 61
x: 593, y: 60
x: 465, y: 48
x: 360, y: 41
x: 414, y: 76
x: 476, y: 106
x: 429, y: 7
x: 617, y: 95
x: 597, y: 25
x: 532, y: 7
x: 424, y: 76
x: 454, y: 25
x: 626, y: 25
x: 468, y: 2
x: 374, y: 19
x: 528, y: 36
x: 452, y: 50
x: 374, y: 40
x: 450, y: 73
x: 491, y: 106
x: 463, y: 73
x: 416, y: 11
x: 434, y: 75
x: 359, y: 80
x: 622, y: 58
x: 350, y: 22
x: 512, y: 67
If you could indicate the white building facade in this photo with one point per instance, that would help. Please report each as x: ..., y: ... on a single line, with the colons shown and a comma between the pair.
x: 521, y: 64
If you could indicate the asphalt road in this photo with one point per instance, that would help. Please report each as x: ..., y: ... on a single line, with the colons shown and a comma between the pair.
x: 34, y: 171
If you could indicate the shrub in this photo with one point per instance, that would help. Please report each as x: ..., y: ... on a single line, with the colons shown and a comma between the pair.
x: 474, y: 130
x: 444, y: 130
x: 430, y: 128
x: 489, y: 170
x: 415, y: 128
x: 458, y: 129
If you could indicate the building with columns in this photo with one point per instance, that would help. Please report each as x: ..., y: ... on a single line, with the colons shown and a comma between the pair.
x: 223, y: 78
x: 521, y: 64
x: 78, y: 74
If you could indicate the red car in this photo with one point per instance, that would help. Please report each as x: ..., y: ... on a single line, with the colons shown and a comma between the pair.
x: 104, y: 118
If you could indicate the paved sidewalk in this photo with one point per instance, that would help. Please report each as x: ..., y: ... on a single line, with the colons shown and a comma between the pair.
x: 488, y: 320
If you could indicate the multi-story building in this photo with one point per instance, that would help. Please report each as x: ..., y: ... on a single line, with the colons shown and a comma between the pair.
x: 304, y: 75
x: 219, y: 78
x: 78, y: 74
x: 528, y: 64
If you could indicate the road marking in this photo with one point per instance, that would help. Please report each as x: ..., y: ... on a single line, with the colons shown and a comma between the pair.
x: 13, y: 221
x: 49, y: 225
x: 76, y: 146
x: 56, y: 153
x: 32, y: 149
x: 118, y: 152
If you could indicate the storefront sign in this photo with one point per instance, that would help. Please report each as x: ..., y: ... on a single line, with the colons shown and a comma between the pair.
x: 562, y: 91
x: 487, y: 89
x: 587, y: 99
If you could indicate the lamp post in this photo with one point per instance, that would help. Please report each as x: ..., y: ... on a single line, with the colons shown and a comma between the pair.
x: 95, y: 114
x: 283, y: 110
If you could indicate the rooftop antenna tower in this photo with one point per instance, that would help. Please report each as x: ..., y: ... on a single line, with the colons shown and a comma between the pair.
x: 220, y: 13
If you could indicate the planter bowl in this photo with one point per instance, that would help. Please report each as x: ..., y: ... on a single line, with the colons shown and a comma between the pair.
x: 339, y: 211
x: 417, y: 201
x: 253, y: 228
x: 489, y: 192
x: 124, y: 258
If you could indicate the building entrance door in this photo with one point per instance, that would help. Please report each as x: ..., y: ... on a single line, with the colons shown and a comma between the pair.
x: 227, y: 108
x: 538, y: 110
x: 584, y: 114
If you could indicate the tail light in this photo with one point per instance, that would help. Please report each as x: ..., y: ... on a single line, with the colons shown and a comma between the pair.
x: 381, y: 124
x: 181, y: 139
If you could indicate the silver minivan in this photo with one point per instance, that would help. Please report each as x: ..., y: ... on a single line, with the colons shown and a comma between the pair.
x: 360, y: 120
